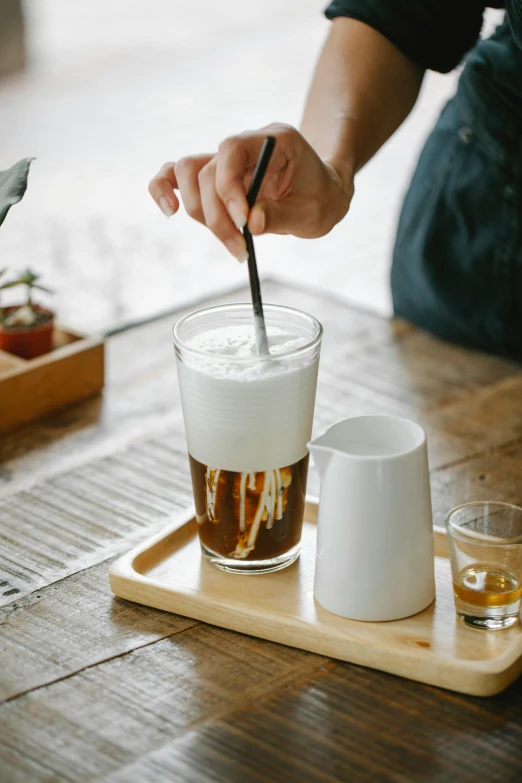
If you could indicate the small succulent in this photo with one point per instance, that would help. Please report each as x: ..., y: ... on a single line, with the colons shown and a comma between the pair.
x: 26, y: 315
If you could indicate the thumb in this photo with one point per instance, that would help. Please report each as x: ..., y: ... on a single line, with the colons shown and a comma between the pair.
x: 271, y: 217
x: 295, y: 215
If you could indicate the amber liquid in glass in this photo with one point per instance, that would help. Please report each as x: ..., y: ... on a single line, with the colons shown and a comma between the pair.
x: 486, y: 585
x: 249, y: 516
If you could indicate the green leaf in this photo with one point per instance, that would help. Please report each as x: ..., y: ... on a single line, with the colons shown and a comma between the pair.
x: 43, y: 288
x: 13, y: 184
x: 24, y: 278
x: 28, y: 277
x: 10, y: 284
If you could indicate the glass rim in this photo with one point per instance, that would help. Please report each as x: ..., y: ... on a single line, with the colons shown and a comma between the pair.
x: 247, y: 306
x: 459, y: 531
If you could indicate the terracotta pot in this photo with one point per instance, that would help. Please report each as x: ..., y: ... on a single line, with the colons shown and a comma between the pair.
x: 27, y: 341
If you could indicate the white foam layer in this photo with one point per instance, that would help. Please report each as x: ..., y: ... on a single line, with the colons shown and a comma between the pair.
x: 239, y: 342
x: 250, y: 415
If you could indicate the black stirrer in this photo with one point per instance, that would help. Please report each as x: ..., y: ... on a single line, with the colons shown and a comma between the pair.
x: 255, y: 287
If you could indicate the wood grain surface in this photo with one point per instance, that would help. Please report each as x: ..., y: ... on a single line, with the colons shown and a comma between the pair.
x: 96, y: 688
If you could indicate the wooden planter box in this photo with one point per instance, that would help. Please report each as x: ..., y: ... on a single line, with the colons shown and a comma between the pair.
x: 30, y: 388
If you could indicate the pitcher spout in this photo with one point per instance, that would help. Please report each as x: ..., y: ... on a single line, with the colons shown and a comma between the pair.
x: 322, y: 456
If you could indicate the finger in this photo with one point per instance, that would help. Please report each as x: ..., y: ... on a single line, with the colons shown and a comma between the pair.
x: 236, y: 155
x: 216, y: 216
x: 186, y: 172
x: 161, y: 188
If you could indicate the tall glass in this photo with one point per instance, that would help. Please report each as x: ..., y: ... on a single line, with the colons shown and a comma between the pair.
x: 485, y: 543
x: 247, y: 422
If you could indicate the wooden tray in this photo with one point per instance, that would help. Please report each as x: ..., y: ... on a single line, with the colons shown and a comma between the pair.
x: 167, y: 572
x: 30, y: 388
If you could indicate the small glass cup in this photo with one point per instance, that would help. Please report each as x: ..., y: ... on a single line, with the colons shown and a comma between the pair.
x: 485, y: 544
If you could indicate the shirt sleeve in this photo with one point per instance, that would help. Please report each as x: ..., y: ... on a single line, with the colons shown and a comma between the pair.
x: 433, y: 33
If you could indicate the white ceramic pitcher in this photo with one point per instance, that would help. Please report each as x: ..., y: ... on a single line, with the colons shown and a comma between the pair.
x: 375, y: 557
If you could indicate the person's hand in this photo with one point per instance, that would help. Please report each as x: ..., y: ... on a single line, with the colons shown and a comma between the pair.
x: 301, y: 194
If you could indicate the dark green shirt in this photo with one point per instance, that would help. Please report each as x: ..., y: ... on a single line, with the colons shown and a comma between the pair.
x: 457, y: 261
x: 438, y: 34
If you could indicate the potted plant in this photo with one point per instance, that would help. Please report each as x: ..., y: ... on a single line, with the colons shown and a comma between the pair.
x: 25, y: 329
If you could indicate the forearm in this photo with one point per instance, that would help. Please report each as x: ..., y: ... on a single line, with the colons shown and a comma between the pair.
x: 362, y: 90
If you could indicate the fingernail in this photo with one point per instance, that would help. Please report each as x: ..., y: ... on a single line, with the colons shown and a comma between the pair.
x: 237, y: 248
x: 165, y: 207
x: 237, y: 213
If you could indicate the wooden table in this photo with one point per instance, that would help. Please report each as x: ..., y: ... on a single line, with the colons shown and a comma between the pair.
x: 97, y: 688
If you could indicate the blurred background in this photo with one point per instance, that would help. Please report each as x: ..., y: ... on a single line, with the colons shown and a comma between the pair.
x: 111, y: 89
